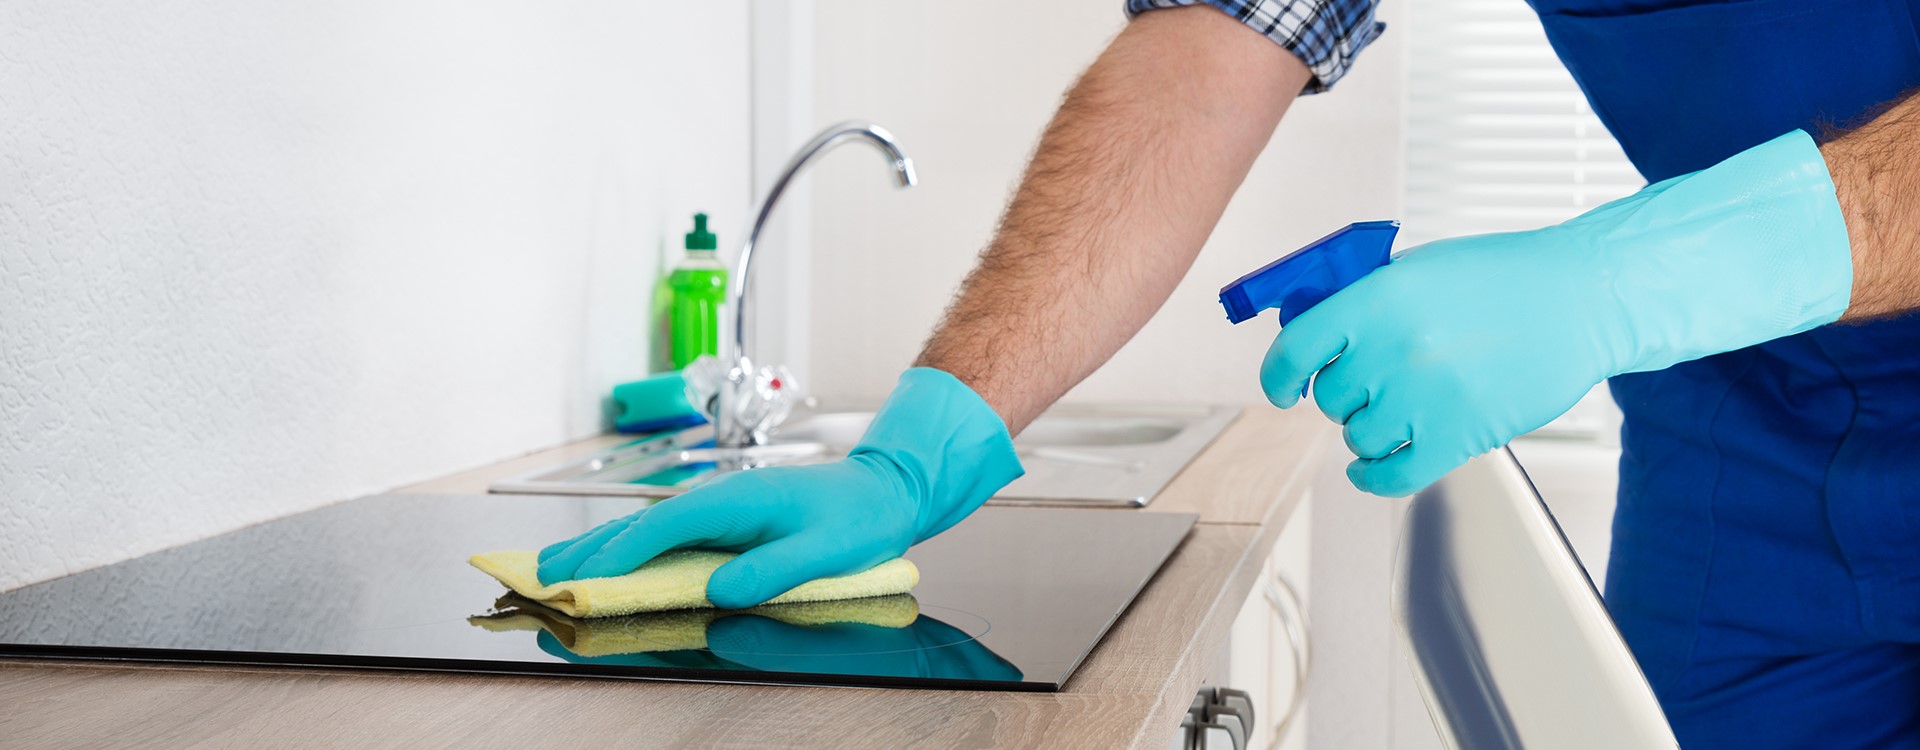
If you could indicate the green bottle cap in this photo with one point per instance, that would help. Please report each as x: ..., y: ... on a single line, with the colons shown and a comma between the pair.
x: 700, y: 238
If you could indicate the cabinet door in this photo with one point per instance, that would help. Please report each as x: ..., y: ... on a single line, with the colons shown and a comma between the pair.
x: 1266, y: 652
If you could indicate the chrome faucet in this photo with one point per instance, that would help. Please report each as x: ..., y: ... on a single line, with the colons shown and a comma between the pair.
x: 730, y: 429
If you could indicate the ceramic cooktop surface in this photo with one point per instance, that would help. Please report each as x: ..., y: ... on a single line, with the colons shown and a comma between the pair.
x: 1010, y: 599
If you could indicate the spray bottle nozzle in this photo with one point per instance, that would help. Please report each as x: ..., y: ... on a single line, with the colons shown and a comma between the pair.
x: 1300, y: 279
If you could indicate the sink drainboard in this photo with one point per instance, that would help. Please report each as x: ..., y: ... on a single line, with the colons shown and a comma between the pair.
x: 1080, y: 455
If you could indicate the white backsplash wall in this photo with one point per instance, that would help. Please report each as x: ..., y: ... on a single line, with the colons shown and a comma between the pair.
x: 968, y: 87
x: 257, y: 257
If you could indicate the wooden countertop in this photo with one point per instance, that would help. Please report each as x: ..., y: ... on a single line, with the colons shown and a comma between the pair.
x: 1131, y: 692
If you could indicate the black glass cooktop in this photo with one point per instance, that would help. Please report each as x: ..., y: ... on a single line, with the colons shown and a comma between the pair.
x: 1011, y: 599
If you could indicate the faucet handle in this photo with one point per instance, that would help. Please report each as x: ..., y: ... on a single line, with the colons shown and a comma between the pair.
x: 755, y: 400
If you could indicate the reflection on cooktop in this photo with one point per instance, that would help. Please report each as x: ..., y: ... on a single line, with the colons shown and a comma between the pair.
x: 880, y: 636
x: 1010, y: 599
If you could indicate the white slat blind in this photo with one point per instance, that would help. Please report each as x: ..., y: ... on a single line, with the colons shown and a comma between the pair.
x: 1499, y: 137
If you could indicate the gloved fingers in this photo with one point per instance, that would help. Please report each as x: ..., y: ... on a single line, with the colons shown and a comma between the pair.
x: 688, y: 520
x: 1301, y: 349
x: 1400, y: 474
x: 1374, y: 432
x: 772, y: 569
x: 1340, y: 390
x: 562, y: 564
x: 547, y: 552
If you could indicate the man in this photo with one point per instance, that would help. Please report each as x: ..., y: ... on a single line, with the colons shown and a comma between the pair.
x: 1766, y: 563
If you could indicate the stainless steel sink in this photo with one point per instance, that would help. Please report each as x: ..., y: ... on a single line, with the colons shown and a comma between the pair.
x: 1074, y: 455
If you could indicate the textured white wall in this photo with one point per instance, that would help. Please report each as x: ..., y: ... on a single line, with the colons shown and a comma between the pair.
x: 256, y: 257
x: 968, y: 87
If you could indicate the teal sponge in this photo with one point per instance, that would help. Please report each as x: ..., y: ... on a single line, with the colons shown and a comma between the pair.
x: 654, y: 404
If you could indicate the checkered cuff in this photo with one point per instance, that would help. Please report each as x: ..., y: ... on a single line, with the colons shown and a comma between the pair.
x: 1325, y: 34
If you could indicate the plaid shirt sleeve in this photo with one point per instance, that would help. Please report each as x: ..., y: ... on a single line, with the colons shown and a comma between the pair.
x: 1325, y: 34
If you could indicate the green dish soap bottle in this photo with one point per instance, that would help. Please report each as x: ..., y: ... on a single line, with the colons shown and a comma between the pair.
x: 699, y: 285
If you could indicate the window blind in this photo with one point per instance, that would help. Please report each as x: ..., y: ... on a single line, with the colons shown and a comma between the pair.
x: 1499, y: 138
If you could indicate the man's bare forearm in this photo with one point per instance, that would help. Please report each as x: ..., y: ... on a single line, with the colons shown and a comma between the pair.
x: 1129, y: 179
x: 1876, y: 171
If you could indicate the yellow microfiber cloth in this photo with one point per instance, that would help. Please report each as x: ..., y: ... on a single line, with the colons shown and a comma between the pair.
x: 675, y: 580
x: 684, y: 629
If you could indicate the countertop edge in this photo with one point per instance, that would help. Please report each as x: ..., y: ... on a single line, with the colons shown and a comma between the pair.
x: 1245, y: 487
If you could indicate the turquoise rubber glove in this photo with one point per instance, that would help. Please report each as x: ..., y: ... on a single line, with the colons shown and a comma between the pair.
x: 934, y: 453
x: 1459, y: 346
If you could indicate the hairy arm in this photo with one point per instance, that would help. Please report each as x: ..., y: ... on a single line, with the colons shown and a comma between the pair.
x: 1129, y: 179
x: 1876, y: 171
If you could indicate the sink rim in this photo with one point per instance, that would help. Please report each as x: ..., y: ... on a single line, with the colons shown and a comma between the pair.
x: 1132, y: 473
x: 842, y: 428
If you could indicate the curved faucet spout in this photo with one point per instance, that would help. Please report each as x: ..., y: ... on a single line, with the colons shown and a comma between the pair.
x: 827, y: 140
x: 736, y: 350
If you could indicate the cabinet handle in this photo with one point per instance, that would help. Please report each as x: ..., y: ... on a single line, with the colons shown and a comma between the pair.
x: 1286, y: 604
x: 1217, y: 709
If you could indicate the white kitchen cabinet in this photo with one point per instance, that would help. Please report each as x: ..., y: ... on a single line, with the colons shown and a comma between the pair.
x: 1264, y: 653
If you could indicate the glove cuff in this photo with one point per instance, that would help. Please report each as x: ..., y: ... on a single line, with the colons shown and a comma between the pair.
x: 1757, y: 244
x: 951, y: 449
